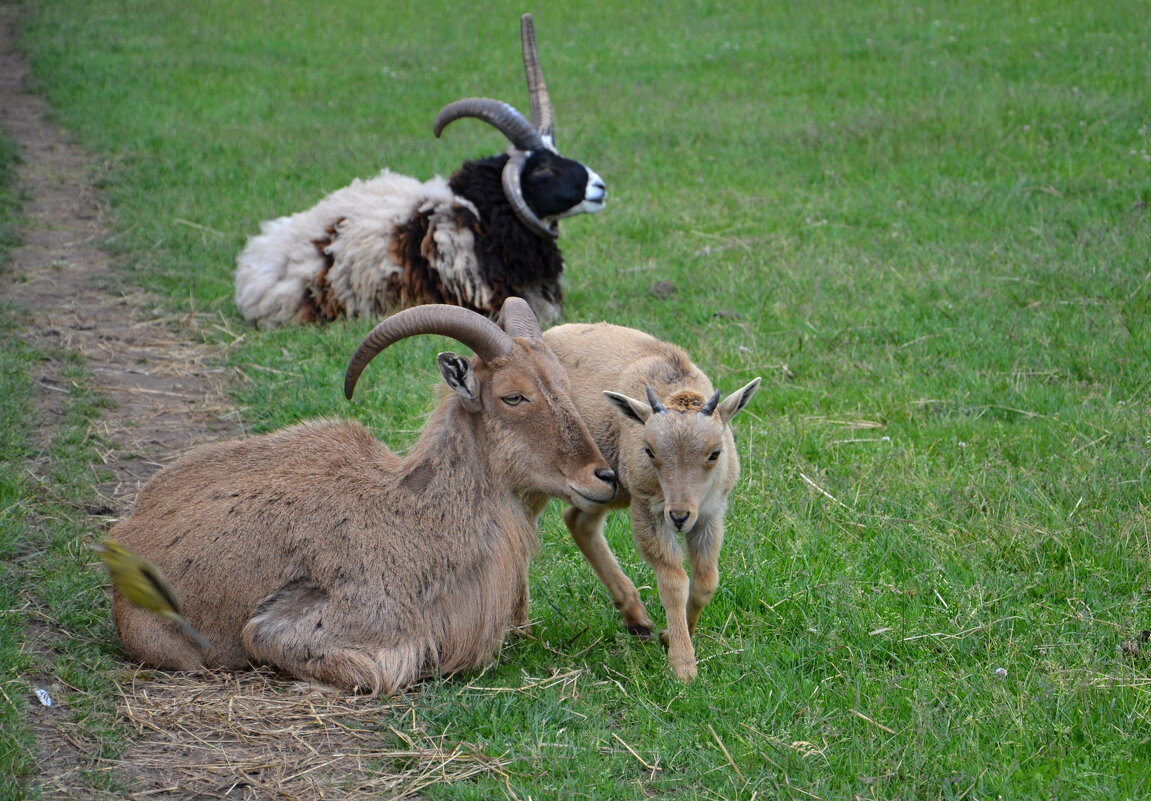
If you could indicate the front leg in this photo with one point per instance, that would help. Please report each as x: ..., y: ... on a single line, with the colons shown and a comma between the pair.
x: 659, y: 546
x: 587, y: 530
x: 703, y: 544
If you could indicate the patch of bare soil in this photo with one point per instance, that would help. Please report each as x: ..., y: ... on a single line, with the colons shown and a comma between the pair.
x: 214, y: 736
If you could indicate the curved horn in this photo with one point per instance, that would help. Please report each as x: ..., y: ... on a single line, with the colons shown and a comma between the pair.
x: 654, y: 403
x: 709, y: 407
x: 487, y: 339
x: 518, y: 320
x: 514, y: 192
x: 521, y: 133
x: 542, y: 117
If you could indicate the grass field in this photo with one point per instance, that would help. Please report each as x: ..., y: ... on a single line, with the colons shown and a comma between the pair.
x: 925, y: 225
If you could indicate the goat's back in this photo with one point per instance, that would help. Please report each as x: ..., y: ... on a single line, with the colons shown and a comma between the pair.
x: 602, y: 356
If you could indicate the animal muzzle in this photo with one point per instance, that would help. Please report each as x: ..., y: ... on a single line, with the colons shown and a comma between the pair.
x: 596, y: 192
x: 595, y: 494
x: 682, y: 518
x: 594, y: 198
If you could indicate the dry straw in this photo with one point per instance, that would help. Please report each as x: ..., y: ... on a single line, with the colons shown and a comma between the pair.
x: 254, y: 736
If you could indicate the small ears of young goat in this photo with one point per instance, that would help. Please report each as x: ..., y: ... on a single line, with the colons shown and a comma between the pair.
x: 734, y: 402
x: 640, y: 412
x: 457, y: 372
x: 629, y: 407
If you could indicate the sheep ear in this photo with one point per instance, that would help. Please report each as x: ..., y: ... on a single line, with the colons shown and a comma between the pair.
x: 630, y: 407
x: 736, y: 401
x: 457, y: 372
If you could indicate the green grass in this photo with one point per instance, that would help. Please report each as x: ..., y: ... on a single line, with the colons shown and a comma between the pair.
x: 926, y: 226
x: 17, y: 743
x: 55, y: 633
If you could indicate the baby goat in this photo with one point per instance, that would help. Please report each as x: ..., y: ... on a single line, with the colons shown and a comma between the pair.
x: 676, y: 463
x: 318, y: 550
x: 391, y: 242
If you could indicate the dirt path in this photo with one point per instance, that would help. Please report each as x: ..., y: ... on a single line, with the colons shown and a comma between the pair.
x: 165, y: 394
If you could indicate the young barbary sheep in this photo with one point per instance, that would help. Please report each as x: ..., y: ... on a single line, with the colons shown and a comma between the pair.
x: 392, y: 242
x: 318, y: 550
x: 676, y: 462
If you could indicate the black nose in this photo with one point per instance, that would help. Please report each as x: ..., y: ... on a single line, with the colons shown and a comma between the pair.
x: 678, y: 518
x: 606, y: 476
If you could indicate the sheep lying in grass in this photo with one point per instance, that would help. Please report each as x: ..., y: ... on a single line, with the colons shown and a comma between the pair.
x: 318, y: 550
x: 391, y: 242
x: 676, y: 462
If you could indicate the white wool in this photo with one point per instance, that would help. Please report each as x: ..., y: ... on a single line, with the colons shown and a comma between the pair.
x: 276, y: 267
x: 364, y: 260
x: 454, y: 257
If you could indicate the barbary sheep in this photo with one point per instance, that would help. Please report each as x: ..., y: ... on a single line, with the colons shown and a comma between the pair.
x: 318, y: 550
x: 676, y: 462
x: 392, y: 242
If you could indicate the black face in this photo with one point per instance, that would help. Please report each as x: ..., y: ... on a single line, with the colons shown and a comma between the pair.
x: 553, y: 184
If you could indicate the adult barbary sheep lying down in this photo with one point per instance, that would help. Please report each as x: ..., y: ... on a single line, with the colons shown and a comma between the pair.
x: 318, y: 550
x: 676, y: 462
x: 392, y: 242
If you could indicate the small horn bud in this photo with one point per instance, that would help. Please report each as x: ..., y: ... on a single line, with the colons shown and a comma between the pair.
x: 654, y: 403
x: 709, y: 407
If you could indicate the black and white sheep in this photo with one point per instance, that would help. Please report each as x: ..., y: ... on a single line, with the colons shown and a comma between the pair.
x: 391, y: 242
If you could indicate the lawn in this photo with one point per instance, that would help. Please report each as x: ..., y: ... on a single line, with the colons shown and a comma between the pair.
x: 926, y: 226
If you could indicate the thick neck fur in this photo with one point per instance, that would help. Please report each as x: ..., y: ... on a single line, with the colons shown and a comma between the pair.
x: 507, y: 251
x: 449, y: 456
x: 452, y: 456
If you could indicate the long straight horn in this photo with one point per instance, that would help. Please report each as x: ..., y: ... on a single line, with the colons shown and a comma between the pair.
x: 487, y: 339
x: 521, y: 133
x: 542, y: 117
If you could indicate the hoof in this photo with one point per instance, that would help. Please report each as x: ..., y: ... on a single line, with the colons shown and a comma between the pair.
x: 640, y: 630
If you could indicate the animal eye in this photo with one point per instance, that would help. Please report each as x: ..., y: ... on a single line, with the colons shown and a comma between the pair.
x: 514, y: 400
x: 714, y: 455
x: 649, y: 453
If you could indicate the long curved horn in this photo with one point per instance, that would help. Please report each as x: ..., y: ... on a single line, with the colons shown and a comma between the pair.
x: 521, y: 133
x: 542, y: 117
x: 518, y: 320
x: 487, y: 339
x: 513, y: 191
x: 654, y: 403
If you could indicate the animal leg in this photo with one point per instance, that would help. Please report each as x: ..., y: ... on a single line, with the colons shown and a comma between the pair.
x: 660, y: 549
x: 298, y: 630
x: 587, y: 530
x: 703, y: 545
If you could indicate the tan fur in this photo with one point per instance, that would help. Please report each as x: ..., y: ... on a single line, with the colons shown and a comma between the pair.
x: 318, y: 550
x: 680, y: 482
